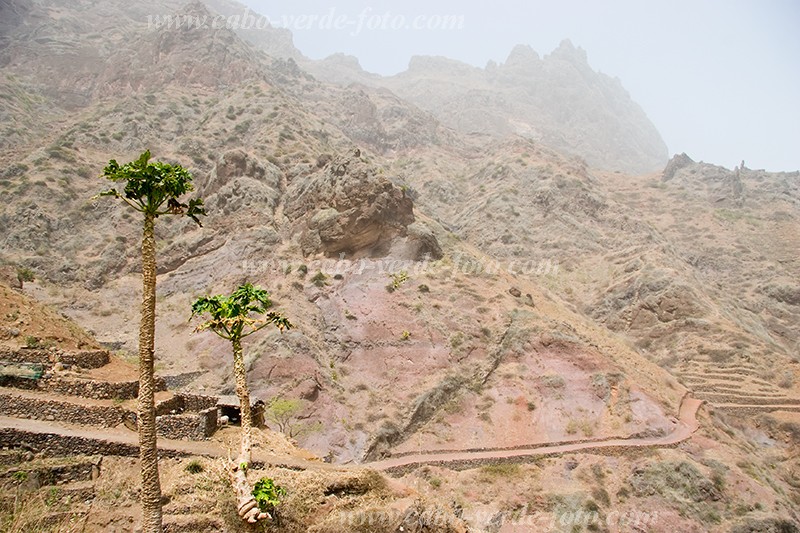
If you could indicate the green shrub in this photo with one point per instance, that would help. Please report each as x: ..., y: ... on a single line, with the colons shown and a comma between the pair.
x: 501, y: 470
x: 398, y: 278
x: 553, y: 381
x: 456, y: 340
x: 319, y: 279
x: 267, y: 494
x: 25, y: 274
x: 194, y: 467
x: 32, y: 342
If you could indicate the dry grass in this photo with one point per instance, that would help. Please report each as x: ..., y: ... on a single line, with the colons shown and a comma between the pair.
x: 31, y: 513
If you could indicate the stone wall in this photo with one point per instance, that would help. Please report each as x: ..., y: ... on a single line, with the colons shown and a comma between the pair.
x: 172, y: 406
x: 187, y: 417
x: 182, y: 402
x: 199, y: 402
x: 14, y: 457
x: 53, y: 445
x: 38, y: 409
x: 82, y: 358
x: 18, y: 383
x: 87, y: 388
x: 193, y: 426
x: 26, y: 355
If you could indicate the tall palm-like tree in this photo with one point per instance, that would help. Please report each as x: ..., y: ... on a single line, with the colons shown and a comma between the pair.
x: 234, y: 317
x: 153, y: 189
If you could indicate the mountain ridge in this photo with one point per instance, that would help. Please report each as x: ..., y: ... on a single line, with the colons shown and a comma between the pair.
x: 412, y: 258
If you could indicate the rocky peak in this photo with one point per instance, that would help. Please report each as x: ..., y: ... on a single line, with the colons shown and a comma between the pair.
x: 522, y: 55
x: 344, y: 61
x: 567, y: 51
x: 559, y: 101
x: 195, y: 9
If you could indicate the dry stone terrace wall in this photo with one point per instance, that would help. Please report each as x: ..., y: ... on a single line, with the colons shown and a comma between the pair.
x: 183, y: 402
x: 172, y: 406
x: 25, y: 355
x: 187, y: 416
x: 85, y: 388
x: 198, y: 402
x: 195, y: 426
x: 52, y: 445
x: 99, y: 390
x: 14, y: 457
x: 55, y: 410
x: 82, y: 358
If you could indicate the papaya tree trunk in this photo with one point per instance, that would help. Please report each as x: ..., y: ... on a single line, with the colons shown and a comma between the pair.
x: 240, y: 374
x: 148, y: 448
x: 245, y: 502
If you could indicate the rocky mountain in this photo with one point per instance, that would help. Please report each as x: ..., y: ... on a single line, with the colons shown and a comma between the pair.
x: 557, y: 100
x: 454, y: 291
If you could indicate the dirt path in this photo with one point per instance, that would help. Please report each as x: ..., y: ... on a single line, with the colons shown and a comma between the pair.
x: 686, y: 426
x: 182, y: 447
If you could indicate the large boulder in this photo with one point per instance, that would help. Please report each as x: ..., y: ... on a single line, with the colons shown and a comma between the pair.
x: 347, y: 207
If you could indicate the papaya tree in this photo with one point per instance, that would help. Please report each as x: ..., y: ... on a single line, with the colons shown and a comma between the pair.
x: 153, y: 189
x: 233, y: 318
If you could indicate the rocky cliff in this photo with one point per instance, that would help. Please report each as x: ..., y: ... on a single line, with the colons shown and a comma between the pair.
x: 558, y: 100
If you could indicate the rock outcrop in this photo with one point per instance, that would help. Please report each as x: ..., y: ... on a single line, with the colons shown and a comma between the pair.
x: 677, y: 162
x: 241, y: 180
x: 348, y: 208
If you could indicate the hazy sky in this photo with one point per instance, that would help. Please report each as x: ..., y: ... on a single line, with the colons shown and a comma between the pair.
x: 720, y: 79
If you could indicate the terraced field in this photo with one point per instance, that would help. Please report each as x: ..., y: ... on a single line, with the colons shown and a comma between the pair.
x: 737, y: 386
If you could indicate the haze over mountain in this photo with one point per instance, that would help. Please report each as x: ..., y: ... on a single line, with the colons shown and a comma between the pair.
x: 716, y: 78
x: 559, y: 101
x: 475, y: 258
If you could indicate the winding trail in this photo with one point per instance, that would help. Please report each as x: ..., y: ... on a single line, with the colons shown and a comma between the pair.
x: 128, y: 441
x: 687, y: 424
